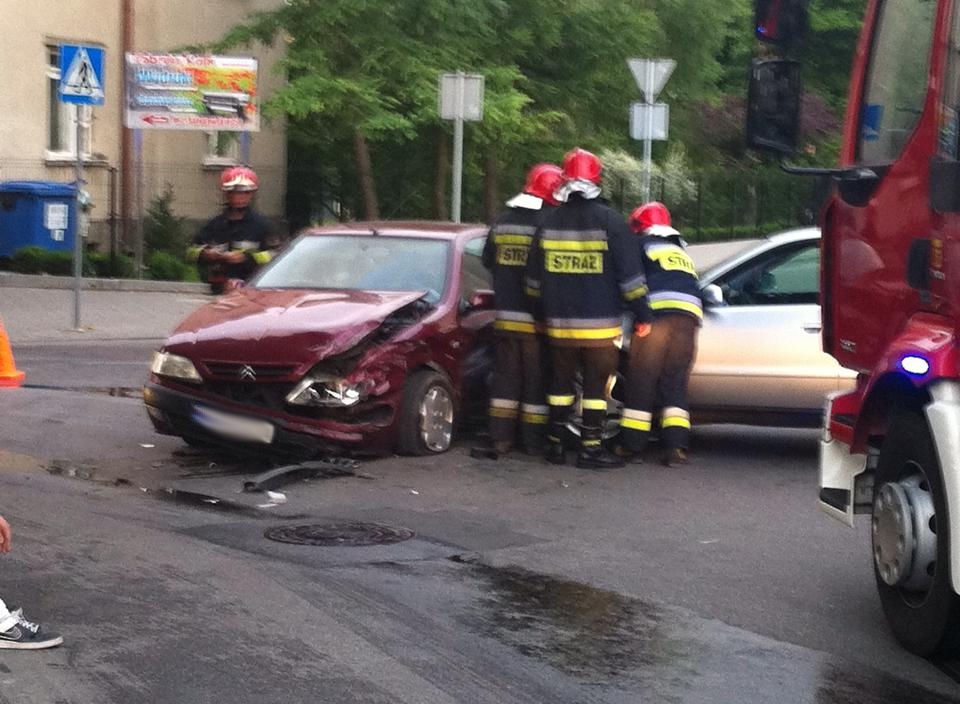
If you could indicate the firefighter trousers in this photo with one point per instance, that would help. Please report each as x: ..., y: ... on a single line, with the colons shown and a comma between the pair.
x: 595, y: 366
x: 658, y: 374
x: 517, y: 393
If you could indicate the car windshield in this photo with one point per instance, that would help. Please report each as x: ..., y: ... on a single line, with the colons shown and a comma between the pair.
x: 367, y: 263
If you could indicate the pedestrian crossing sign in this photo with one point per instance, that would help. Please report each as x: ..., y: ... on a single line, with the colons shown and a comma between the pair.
x: 81, y: 75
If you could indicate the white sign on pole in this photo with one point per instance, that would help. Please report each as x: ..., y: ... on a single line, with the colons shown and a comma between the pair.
x: 651, y: 75
x: 657, y: 122
x: 461, y: 97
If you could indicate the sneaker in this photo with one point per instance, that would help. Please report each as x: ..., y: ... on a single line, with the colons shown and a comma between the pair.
x: 26, y: 635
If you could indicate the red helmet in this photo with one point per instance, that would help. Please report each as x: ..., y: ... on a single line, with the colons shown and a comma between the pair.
x: 579, y: 164
x: 239, y: 178
x: 543, y: 180
x: 652, y: 218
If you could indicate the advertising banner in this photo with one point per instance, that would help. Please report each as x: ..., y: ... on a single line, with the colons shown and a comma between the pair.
x: 191, y: 92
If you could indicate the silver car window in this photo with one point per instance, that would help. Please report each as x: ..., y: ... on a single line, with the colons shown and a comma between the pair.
x: 785, y: 276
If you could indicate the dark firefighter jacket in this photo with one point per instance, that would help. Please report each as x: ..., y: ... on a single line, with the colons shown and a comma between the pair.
x: 671, y: 276
x: 505, y: 255
x: 251, y: 234
x: 585, y: 266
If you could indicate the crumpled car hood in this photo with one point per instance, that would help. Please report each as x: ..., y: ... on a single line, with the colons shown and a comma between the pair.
x: 283, y: 327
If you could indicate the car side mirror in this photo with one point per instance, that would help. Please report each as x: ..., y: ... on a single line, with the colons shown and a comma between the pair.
x: 481, y: 299
x: 712, y: 295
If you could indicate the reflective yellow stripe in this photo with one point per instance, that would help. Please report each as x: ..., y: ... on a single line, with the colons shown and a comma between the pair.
x: 583, y: 333
x: 675, y: 422
x: 561, y: 400
x: 634, y: 424
x: 503, y: 412
x: 261, y: 257
x: 590, y: 443
x: 532, y: 292
x: 514, y: 326
x: 678, y: 305
x: 533, y: 418
x: 636, y: 293
x: 513, y: 239
x: 575, y: 245
x: 594, y: 404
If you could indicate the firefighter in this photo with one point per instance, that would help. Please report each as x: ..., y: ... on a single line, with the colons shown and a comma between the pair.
x: 584, y: 267
x: 236, y: 242
x: 517, y: 389
x: 660, y: 362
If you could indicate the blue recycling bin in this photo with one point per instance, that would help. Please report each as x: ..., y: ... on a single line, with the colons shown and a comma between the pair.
x: 37, y: 214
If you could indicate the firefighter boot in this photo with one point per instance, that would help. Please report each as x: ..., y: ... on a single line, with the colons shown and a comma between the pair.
x: 592, y: 453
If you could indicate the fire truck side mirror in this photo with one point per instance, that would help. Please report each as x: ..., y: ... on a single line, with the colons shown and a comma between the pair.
x: 773, y: 105
x: 780, y: 22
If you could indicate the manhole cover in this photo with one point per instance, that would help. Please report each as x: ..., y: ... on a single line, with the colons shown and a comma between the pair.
x: 348, y: 533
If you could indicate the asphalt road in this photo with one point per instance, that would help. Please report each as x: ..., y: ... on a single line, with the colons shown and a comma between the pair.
x: 720, y: 582
x: 522, y: 582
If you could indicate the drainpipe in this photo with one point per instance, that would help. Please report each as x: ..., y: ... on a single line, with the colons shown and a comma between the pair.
x: 126, y: 135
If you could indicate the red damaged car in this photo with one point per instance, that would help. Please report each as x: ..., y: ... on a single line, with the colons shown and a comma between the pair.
x: 361, y: 338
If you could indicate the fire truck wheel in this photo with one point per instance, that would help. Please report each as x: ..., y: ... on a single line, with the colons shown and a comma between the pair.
x: 427, y: 415
x: 911, y: 552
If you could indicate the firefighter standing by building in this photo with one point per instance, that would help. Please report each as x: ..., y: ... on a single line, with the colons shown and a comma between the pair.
x: 236, y: 242
x: 659, y: 367
x: 517, y: 392
x: 584, y: 266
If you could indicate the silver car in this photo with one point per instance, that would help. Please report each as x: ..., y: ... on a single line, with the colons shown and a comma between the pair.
x: 759, y: 359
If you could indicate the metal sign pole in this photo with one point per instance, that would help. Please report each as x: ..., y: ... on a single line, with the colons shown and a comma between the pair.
x: 458, y: 149
x: 77, y: 233
x: 648, y: 130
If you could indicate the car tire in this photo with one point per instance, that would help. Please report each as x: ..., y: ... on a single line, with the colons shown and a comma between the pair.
x: 611, y: 424
x: 911, y: 558
x: 427, y: 415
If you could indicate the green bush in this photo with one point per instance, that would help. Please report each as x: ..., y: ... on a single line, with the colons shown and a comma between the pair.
x: 37, y: 260
x: 104, y: 266
x: 164, y: 266
x: 163, y: 231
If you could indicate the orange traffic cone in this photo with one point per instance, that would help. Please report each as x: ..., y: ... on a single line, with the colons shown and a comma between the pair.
x: 9, y: 376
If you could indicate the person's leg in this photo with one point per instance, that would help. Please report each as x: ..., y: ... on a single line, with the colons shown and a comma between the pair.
x: 534, y: 412
x: 675, y: 416
x: 599, y: 364
x: 560, y: 398
x: 505, y: 394
x: 7, y: 619
x: 643, y: 373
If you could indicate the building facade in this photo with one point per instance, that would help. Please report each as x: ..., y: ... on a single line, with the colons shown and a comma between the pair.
x: 126, y: 169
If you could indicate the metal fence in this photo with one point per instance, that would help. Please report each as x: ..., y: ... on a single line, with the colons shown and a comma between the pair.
x: 725, y: 203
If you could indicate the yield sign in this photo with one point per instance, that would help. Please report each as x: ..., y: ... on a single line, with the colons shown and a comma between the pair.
x: 651, y: 75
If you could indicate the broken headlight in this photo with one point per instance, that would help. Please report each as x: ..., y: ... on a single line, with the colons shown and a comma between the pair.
x: 328, y: 391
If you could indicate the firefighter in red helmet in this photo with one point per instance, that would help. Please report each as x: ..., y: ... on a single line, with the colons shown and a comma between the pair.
x: 585, y: 268
x: 234, y: 243
x: 660, y: 362
x: 517, y: 394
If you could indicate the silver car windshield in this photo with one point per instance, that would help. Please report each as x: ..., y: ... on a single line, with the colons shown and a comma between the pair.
x: 367, y: 263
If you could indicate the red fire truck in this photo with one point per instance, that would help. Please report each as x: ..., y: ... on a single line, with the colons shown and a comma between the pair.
x: 890, y: 295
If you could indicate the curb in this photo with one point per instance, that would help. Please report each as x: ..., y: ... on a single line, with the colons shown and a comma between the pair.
x: 12, y: 280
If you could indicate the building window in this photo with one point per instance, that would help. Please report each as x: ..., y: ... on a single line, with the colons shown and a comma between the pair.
x: 223, y: 149
x: 62, y: 129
